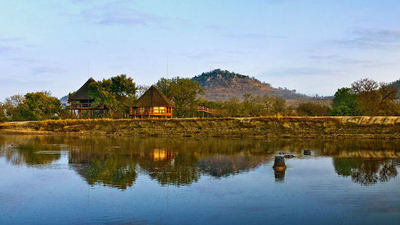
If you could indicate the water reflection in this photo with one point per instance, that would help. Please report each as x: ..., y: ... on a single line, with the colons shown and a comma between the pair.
x: 32, y: 153
x: 366, y: 171
x: 115, y: 170
x: 116, y: 162
x: 280, y: 167
x: 226, y: 165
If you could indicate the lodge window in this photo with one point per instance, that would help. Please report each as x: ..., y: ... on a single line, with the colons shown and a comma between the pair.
x: 159, y: 109
x: 162, y: 109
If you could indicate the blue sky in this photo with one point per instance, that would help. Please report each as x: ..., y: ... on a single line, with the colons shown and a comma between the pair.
x: 314, y: 47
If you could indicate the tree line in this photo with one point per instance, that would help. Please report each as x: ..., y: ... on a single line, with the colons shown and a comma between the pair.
x: 364, y: 98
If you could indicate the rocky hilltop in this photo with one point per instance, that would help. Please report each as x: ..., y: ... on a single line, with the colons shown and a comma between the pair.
x: 224, y: 85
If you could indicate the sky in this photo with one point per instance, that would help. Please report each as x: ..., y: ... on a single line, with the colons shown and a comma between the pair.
x: 313, y: 46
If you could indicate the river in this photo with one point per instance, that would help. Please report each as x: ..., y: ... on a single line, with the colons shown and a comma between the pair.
x: 104, y: 180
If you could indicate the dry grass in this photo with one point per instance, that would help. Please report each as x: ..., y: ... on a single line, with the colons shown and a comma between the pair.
x: 293, y: 126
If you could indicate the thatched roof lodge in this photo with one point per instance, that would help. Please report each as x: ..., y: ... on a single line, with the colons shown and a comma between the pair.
x: 153, y: 103
x: 80, y: 99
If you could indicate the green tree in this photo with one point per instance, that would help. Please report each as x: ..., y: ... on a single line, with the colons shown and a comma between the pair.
x: 182, y: 92
x: 233, y: 107
x: 344, y: 103
x: 38, y: 106
x: 114, y: 93
x: 164, y: 85
x: 10, y: 108
x: 278, y: 106
x: 3, y: 116
x: 250, y: 106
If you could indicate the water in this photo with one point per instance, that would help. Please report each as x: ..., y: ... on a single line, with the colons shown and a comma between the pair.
x: 82, y: 180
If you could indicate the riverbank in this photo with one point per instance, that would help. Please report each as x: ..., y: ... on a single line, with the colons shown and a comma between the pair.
x: 286, y: 127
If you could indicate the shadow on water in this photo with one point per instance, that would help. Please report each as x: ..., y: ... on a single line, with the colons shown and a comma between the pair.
x: 116, y: 162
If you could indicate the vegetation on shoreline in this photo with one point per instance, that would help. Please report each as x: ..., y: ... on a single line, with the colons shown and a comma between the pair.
x: 297, y: 127
x: 364, y: 98
x: 117, y: 93
x: 182, y: 92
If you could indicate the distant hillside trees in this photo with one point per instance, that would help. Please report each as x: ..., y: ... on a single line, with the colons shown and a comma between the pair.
x: 219, y: 77
x: 116, y: 93
x: 182, y: 92
x: 32, y: 106
x: 367, y: 98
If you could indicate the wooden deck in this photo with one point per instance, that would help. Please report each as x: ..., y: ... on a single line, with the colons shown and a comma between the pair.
x: 202, y: 109
x: 150, y: 114
x: 85, y: 106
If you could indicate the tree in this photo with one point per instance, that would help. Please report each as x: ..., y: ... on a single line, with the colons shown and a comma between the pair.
x: 364, y: 85
x: 344, y: 103
x: 182, y: 92
x: 164, y: 85
x: 10, y: 111
x: 312, y: 109
x: 141, y: 89
x: 232, y: 107
x: 3, y: 116
x: 252, y: 106
x: 388, y: 95
x: 367, y: 96
x: 279, y: 106
x: 376, y: 99
x: 38, y: 106
x: 113, y: 93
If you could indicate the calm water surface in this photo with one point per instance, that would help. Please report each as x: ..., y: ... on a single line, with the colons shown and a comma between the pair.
x: 82, y: 180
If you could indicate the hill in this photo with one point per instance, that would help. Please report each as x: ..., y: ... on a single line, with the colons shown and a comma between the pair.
x: 224, y: 85
x: 396, y: 84
x: 64, y: 100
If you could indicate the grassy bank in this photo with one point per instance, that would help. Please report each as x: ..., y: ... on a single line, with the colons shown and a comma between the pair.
x: 307, y: 127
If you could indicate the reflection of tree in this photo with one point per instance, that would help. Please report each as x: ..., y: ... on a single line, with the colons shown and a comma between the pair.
x: 177, y: 169
x: 225, y: 165
x: 181, y: 161
x: 387, y: 172
x: 28, y: 154
x: 107, y: 168
x: 111, y: 172
x: 366, y: 171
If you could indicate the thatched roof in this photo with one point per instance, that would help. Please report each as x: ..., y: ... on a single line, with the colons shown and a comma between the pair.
x: 153, y: 97
x: 83, y: 92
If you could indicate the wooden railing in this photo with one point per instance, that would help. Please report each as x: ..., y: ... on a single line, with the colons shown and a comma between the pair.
x: 208, y: 110
x: 138, y: 114
x: 82, y: 106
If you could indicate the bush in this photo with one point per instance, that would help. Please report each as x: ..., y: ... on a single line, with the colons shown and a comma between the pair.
x: 312, y: 109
